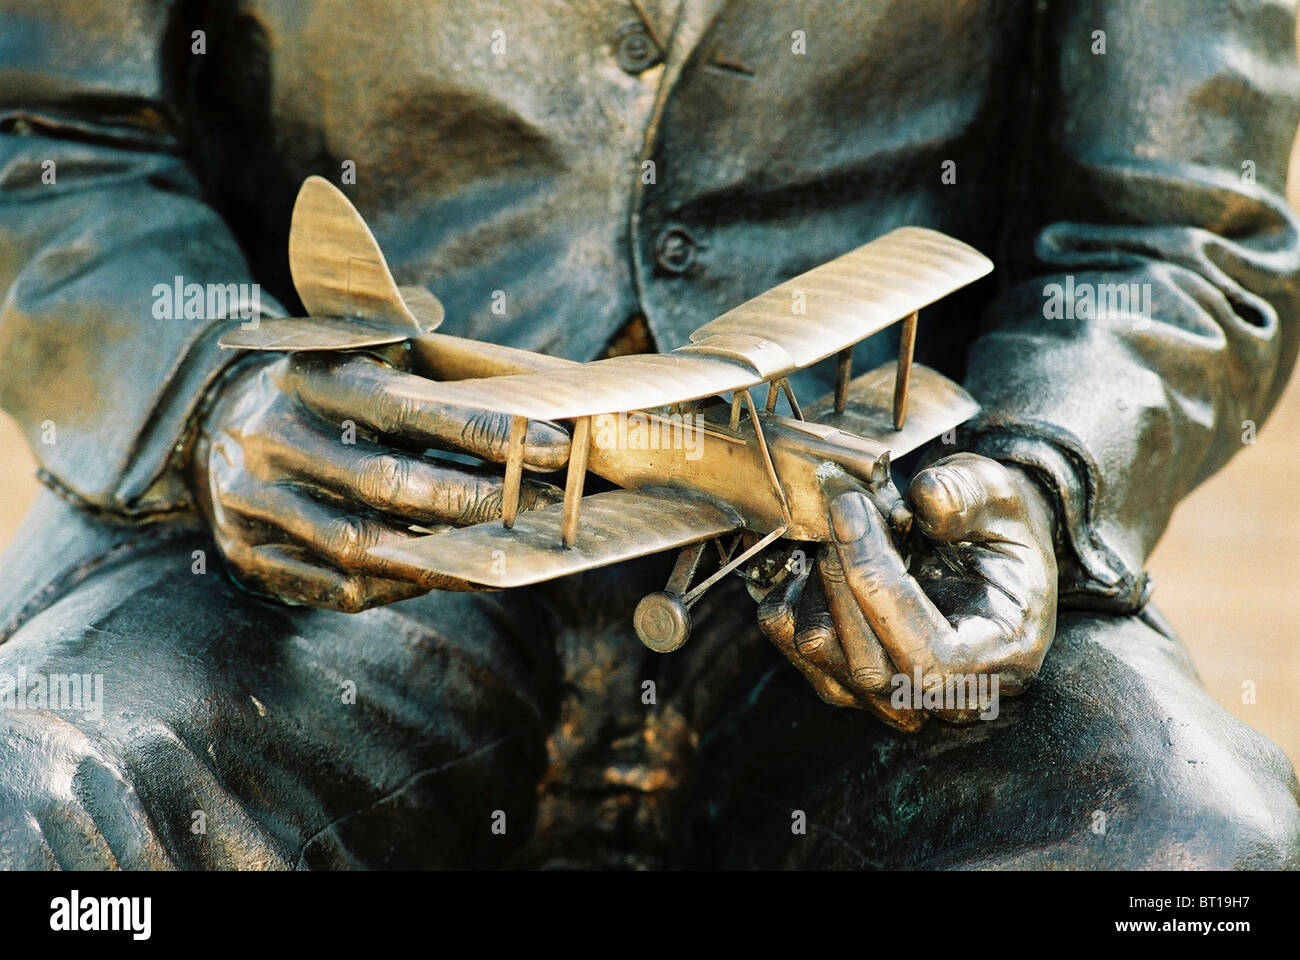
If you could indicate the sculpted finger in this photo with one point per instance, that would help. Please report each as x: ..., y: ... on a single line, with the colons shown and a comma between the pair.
x: 869, y: 669
x: 1012, y: 645
x: 391, y: 403
x: 992, y: 635
x: 815, y: 638
x: 903, y: 719
x: 398, y: 483
x: 1002, y: 600
x: 287, y: 574
x: 343, y: 540
x: 912, y: 630
x: 776, y: 612
x: 777, y: 616
x: 966, y: 497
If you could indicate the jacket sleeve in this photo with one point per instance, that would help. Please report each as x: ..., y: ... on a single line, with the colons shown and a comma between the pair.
x: 1150, y: 321
x: 98, y: 214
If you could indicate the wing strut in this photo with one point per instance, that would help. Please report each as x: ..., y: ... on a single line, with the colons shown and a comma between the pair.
x: 775, y: 388
x: 903, y: 376
x: 579, y: 448
x: 514, y: 470
x: 688, y: 561
x: 843, y: 374
x: 767, y: 461
x: 789, y: 397
x: 698, y: 591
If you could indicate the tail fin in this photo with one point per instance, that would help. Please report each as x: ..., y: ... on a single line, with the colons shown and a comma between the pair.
x: 351, y: 298
x: 339, y: 270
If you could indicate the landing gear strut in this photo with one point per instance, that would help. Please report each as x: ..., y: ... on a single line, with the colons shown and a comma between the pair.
x: 663, y: 619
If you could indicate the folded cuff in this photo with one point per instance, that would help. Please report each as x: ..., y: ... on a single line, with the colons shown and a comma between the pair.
x: 1093, y: 574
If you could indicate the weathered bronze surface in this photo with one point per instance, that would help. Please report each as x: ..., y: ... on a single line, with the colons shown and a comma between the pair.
x: 571, y: 179
x: 769, y: 475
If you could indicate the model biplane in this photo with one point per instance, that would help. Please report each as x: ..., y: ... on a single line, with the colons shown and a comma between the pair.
x: 756, y: 477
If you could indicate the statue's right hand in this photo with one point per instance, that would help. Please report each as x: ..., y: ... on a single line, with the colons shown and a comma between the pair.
x: 305, y: 462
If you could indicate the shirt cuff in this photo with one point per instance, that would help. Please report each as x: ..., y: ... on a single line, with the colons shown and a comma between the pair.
x: 1093, y: 574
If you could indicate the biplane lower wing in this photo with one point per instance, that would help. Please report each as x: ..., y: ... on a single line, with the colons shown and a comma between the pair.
x: 937, y: 405
x: 616, y: 526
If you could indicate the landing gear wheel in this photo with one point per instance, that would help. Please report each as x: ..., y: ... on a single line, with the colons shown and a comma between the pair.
x: 662, y: 622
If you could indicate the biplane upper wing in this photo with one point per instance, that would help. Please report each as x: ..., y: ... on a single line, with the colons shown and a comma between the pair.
x: 616, y: 526
x: 844, y: 301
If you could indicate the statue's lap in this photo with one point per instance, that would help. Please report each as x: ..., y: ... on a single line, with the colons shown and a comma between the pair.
x: 235, y: 732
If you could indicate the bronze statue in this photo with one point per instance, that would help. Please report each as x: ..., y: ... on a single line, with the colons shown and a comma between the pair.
x: 766, y: 476
x: 252, y: 549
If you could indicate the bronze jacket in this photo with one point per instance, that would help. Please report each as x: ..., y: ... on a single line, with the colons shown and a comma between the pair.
x: 551, y: 170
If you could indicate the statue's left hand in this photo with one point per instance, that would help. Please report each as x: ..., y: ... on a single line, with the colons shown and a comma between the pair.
x: 979, y: 599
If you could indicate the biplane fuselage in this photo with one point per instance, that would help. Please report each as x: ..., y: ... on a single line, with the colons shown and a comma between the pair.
x: 726, y: 464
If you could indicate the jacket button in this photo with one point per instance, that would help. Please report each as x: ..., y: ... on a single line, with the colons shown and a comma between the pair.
x: 675, y: 250
x: 636, y: 50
